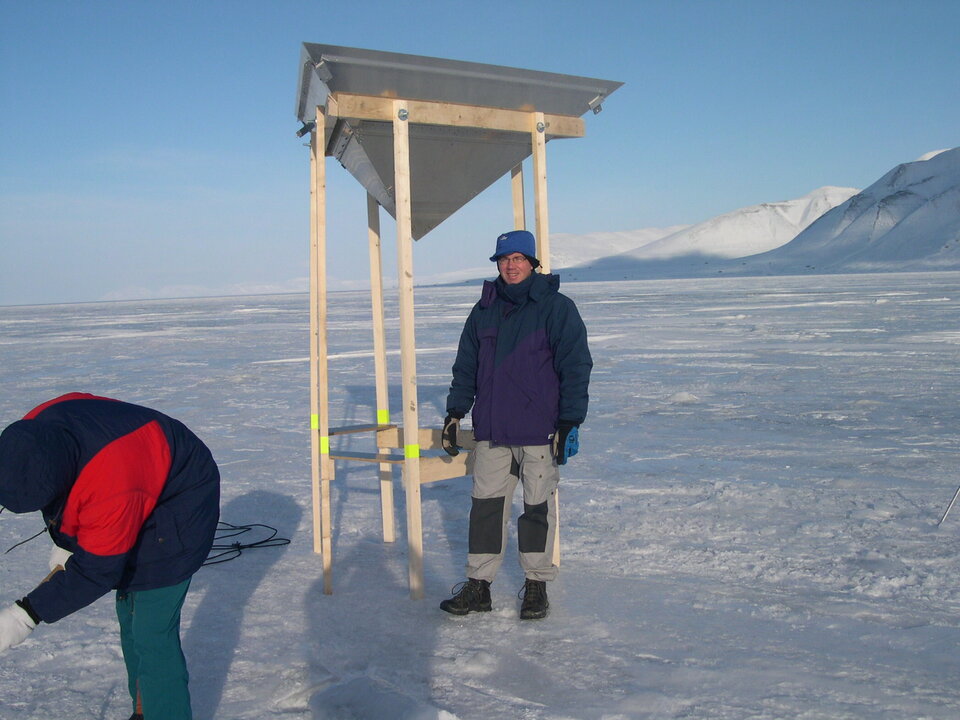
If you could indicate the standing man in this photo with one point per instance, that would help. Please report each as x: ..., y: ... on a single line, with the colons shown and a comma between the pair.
x: 523, y: 365
x: 131, y: 499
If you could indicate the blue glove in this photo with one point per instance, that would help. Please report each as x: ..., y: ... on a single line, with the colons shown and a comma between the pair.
x: 566, y: 442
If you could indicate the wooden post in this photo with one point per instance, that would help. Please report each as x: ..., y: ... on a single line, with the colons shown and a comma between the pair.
x: 539, y: 142
x: 519, y: 207
x: 380, y: 361
x: 315, y: 159
x: 539, y: 136
x: 408, y: 370
x: 556, y: 534
x: 319, y: 374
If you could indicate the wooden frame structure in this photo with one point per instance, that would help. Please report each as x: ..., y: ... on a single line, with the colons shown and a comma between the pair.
x: 402, y: 445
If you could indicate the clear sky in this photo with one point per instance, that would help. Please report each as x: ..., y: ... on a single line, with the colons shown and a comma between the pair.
x: 149, y: 149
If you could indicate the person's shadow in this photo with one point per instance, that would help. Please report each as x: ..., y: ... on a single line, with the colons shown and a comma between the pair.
x: 227, y: 592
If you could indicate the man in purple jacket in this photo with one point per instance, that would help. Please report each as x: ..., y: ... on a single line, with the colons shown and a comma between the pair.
x: 523, y: 365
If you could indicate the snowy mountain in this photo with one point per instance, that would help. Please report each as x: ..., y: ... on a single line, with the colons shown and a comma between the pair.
x: 567, y: 250
x: 908, y: 220
x: 688, y: 250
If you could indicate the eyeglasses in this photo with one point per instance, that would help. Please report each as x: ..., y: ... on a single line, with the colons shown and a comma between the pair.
x: 512, y: 260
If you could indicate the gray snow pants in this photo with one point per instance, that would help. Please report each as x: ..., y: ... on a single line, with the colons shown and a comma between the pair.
x: 496, y: 471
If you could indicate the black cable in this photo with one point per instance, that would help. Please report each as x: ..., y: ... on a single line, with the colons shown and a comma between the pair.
x: 224, y: 531
x: 233, y: 550
x: 24, y: 542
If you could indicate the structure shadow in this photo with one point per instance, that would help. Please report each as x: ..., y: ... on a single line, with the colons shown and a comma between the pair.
x: 214, y: 634
x: 374, y: 648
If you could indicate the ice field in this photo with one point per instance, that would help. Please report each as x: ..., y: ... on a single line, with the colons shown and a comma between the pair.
x: 749, y: 530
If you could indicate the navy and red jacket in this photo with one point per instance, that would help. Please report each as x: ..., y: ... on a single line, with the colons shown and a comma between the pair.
x: 131, y: 492
x: 523, y: 363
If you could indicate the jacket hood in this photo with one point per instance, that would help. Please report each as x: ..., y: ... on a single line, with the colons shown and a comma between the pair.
x: 38, y: 463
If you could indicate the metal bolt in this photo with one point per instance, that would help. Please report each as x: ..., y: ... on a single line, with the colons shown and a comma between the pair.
x: 541, y: 127
x: 403, y: 114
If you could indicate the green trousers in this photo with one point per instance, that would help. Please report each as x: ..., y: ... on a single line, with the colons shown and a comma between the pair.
x: 150, y: 639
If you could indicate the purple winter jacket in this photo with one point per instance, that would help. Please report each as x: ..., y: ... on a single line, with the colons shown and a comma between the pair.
x: 522, y: 364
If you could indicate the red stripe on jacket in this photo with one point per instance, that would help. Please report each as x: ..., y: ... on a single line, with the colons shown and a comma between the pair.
x: 69, y: 396
x: 117, y: 490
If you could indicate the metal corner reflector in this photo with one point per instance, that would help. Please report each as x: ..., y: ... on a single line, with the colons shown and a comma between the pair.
x: 450, y: 164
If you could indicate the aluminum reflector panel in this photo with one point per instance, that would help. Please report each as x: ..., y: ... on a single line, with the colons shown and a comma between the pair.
x: 448, y: 165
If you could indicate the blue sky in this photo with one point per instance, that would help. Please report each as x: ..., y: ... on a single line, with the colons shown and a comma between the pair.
x: 148, y: 149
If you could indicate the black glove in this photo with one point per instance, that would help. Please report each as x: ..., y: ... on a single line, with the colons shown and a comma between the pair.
x: 448, y: 438
x: 566, y: 441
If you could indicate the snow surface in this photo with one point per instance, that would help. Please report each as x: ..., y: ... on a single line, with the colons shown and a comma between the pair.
x: 749, y: 531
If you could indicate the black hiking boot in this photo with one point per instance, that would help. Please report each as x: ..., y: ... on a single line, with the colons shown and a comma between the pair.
x: 472, y: 595
x: 535, y: 601
x: 136, y: 716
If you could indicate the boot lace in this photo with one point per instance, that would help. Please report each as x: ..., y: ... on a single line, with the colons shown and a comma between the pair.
x: 466, y: 590
x: 531, y: 592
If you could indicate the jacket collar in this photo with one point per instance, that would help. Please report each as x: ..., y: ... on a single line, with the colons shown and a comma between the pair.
x: 536, y: 288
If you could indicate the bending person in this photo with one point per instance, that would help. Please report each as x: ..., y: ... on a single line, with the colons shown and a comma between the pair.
x: 131, y: 499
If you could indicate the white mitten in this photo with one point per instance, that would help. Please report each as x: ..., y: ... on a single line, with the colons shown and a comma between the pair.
x: 15, y: 625
x: 58, y: 558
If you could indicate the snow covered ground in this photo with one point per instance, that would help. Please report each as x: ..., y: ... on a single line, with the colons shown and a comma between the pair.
x: 748, y: 532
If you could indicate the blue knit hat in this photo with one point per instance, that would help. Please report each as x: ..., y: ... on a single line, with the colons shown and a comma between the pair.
x: 516, y: 241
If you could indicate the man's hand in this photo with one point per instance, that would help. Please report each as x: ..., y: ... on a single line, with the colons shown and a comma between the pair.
x: 566, y: 441
x: 448, y: 438
x: 15, y: 625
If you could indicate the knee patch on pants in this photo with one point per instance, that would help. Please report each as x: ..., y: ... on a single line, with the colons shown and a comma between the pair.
x: 532, y: 528
x: 486, y: 526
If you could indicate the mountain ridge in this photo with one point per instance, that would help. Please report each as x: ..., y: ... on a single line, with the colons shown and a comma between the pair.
x: 909, y: 219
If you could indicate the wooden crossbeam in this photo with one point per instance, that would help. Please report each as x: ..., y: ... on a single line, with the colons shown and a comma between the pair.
x: 368, y: 457
x: 432, y: 469
x: 427, y: 112
x: 445, y: 467
x: 349, y: 429
x: 427, y: 438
